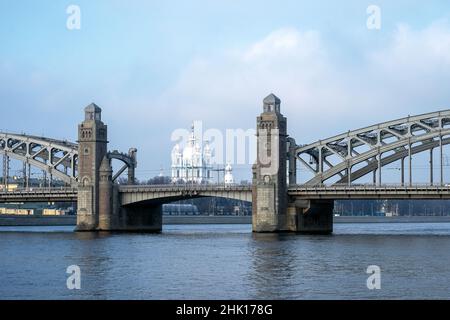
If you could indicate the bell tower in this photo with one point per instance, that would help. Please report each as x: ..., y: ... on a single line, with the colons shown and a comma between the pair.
x: 270, y: 170
x: 92, y: 144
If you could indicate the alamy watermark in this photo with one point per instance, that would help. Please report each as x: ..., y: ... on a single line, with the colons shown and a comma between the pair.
x: 374, y: 280
x: 74, y: 280
x: 73, y: 21
x: 235, y: 146
x: 374, y: 19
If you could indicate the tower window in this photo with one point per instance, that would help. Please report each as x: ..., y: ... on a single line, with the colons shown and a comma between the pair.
x: 86, y: 151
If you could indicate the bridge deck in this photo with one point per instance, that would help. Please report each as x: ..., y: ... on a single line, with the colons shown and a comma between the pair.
x: 167, y: 193
x: 341, y: 192
x: 336, y: 192
x: 40, y: 195
x: 184, y: 187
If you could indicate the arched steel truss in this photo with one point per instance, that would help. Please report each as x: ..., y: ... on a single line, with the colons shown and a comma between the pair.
x: 367, y: 150
x: 129, y: 161
x: 59, y: 159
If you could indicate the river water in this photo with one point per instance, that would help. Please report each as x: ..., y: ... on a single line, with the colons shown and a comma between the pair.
x: 227, y: 262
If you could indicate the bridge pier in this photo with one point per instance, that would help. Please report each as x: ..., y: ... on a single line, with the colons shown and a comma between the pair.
x: 99, y: 205
x: 106, y: 220
x: 270, y: 170
x: 311, y: 216
x: 140, y: 218
x: 272, y: 210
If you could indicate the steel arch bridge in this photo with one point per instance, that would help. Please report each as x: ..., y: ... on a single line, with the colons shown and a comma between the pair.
x: 349, y: 156
x: 58, y: 158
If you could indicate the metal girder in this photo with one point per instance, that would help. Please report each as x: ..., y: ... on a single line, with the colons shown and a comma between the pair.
x: 57, y: 158
x: 398, y: 155
x: 129, y: 161
x: 366, y: 144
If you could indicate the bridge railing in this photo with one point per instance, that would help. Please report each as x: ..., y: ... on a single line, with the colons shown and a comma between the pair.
x: 187, y: 187
x: 39, y: 190
x: 369, y: 186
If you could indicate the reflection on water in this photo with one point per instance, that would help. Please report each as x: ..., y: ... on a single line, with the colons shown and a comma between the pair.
x: 272, y: 265
x: 226, y: 262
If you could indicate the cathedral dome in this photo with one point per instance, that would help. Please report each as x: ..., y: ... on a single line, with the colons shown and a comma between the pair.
x: 189, y: 164
x: 188, y: 153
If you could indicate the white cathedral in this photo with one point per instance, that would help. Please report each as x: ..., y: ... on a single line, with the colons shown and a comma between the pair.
x: 193, y: 163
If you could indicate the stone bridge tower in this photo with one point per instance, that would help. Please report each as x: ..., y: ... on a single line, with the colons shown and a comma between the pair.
x: 273, y: 209
x: 93, y: 144
x: 269, y: 171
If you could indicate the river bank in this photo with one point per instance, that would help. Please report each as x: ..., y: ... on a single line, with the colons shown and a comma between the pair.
x: 10, y: 220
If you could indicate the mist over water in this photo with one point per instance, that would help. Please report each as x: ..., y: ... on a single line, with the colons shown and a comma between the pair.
x: 227, y: 262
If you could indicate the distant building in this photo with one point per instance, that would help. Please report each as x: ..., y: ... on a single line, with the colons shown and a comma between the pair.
x: 9, y: 187
x: 18, y: 212
x: 228, y: 177
x: 53, y: 212
x: 175, y: 209
x: 193, y: 163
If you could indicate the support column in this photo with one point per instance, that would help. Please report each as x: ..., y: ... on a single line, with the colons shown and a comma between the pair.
x: 431, y: 166
x: 379, y: 169
x: 5, y: 171
x: 410, y: 164
x: 29, y: 176
x: 24, y: 174
x: 44, y: 178
x: 106, y: 219
x: 293, y: 162
x: 374, y: 177
x: 441, y: 156
x: 72, y: 166
x: 320, y: 160
x: 349, y: 173
x: 131, y: 175
x: 402, y: 171
x: 349, y: 168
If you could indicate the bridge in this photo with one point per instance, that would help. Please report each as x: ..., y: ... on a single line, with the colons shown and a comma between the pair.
x: 56, y: 158
x: 130, y: 194
x: 39, y: 195
x: 280, y: 203
x: 369, y: 191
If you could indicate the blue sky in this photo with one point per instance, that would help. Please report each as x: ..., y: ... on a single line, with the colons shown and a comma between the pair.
x: 157, y: 66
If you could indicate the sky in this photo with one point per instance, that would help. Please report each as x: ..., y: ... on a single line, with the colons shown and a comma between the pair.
x: 157, y: 66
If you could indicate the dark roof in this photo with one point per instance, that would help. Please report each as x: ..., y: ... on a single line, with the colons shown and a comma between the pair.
x: 271, y: 99
x: 92, y: 108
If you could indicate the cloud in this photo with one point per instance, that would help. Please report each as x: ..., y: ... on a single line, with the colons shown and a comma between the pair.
x: 321, y: 94
x: 412, y: 73
x: 286, y: 62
